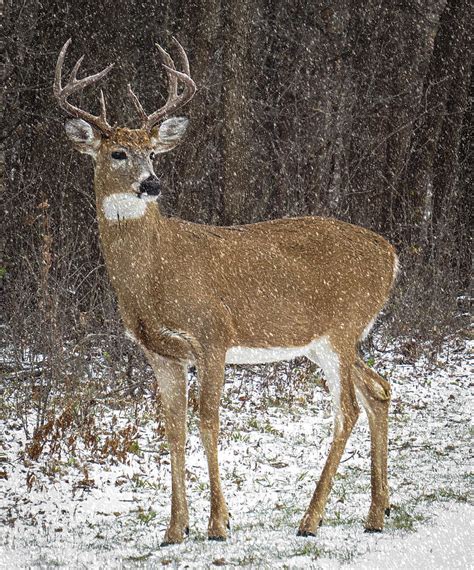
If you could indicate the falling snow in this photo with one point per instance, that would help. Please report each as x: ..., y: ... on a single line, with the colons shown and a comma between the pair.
x: 355, y: 112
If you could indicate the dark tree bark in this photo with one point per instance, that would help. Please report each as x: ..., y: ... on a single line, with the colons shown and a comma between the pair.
x: 236, y: 83
x: 457, y: 218
x: 198, y: 164
x: 446, y: 164
x: 449, y: 46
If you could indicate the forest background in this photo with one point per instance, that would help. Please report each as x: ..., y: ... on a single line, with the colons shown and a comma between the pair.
x: 356, y: 110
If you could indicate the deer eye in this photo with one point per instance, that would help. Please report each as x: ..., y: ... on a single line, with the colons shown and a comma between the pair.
x: 119, y: 155
x: 152, y: 156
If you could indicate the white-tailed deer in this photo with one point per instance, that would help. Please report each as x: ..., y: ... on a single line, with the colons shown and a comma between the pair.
x: 210, y: 295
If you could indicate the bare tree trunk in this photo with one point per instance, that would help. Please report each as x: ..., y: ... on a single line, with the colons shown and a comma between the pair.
x: 198, y: 164
x: 464, y: 219
x: 387, y: 47
x: 446, y: 168
x: 452, y: 192
x: 236, y: 80
x: 405, y: 72
x: 414, y: 187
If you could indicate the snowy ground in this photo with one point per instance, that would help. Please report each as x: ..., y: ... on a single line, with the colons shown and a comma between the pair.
x: 114, y: 514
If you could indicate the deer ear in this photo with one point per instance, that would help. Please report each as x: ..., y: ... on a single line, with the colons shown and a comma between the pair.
x: 169, y: 133
x: 84, y: 138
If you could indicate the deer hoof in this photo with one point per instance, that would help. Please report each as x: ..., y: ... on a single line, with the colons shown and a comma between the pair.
x: 372, y: 530
x: 169, y: 543
x: 217, y: 538
x: 175, y: 537
x: 305, y: 533
x: 218, y: 529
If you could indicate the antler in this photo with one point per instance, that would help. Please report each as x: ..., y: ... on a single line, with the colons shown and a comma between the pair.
x: 174, y: 100
x: 75, y: 85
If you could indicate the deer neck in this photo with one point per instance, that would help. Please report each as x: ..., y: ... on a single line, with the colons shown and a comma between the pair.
x: 130, y: 230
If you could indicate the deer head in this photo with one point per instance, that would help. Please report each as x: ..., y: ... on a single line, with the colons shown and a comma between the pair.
x: 123, y: 158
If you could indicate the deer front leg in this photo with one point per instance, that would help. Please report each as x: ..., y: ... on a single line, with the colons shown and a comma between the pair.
x: 346, y: 414
x: 211, y: 375
x: 171, y: 377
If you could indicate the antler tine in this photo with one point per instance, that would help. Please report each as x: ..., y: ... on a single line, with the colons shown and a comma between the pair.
x: 172, y: 79
x: 136, y: 103
x: 174, y: 101
x: 75, y: 85
x: 189, y: 87
x: 103, y: 111
x: 184, y: 57
x: 172, y: 87
x: 75, y: 69
x: 58, y: 71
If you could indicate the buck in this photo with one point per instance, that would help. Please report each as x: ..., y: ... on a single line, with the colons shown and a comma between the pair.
x: 208, y: 295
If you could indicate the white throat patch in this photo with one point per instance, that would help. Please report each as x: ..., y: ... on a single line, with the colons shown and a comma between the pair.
x: 125, y: 206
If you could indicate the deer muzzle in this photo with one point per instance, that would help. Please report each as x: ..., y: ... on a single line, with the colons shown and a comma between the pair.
x: 150, y: 186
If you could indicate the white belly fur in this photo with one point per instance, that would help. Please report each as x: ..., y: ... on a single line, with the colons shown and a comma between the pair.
x: 244, y: 355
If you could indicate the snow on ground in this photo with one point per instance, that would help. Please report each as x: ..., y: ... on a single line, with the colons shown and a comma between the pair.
x: 446, y: 543
x: 271, y: 456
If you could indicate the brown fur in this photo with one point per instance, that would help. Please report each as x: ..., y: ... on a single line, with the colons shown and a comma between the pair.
x: 131, y: 138
x: 269, y: 284
x: 189, y: 292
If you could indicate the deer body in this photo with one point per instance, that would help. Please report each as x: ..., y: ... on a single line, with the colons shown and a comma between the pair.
x: 208, y: 295
x: 270, y: 284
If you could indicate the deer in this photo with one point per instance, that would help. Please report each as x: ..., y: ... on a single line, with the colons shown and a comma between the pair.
x: 206, y: 296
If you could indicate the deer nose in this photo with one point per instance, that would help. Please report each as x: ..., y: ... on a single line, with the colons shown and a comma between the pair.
x: 150, y: 186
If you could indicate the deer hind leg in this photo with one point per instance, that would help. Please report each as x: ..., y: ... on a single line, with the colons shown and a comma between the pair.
x: 171, y: 377
x: 211, y: 377
x: 336, y: 366
x: 374, y: 394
